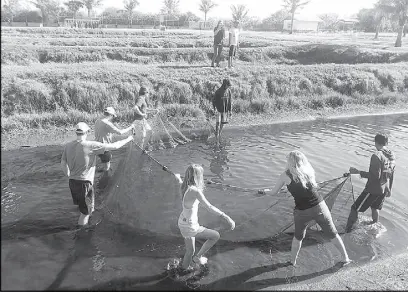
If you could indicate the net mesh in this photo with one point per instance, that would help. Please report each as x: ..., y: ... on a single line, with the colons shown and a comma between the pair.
x: 143, y: 196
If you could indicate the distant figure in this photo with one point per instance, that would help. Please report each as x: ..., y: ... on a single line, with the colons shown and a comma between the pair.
x: 380, y: 178
x: 78, y: 163
x: 104, y: 130
x: 299, y: 177
x: 141, y: 111
x: 192, y: 195
x: 222, y: 103
x: 233, y: 43
x: 219, y: 34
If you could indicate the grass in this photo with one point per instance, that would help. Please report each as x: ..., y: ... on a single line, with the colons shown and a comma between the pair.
x: 54, y: 76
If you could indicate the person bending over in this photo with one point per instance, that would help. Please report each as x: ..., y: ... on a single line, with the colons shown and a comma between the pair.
x: 78, y: 163
x: 380, y: 178
x: 104, y: 129
x: 299, y: 177
x: 192, y: 195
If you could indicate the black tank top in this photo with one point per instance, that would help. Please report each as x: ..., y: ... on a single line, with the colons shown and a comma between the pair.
x: 304, y: 198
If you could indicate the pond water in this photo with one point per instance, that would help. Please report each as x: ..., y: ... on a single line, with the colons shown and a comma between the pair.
x: 41, y: 250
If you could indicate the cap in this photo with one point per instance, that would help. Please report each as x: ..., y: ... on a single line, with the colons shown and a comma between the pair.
x: 143, y: 90
x: 110, y: 110
x: 82, y: 128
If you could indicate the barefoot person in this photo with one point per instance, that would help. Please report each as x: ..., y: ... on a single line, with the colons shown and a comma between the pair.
x: 299, y: 178
x: 192, y: 195
x: 104, y: 129
x: 380, y: 178
x: 141, y: 111
x: 233, y: 43
x: 222, y: 103
x: 219, y: 34
x: 78, y: 163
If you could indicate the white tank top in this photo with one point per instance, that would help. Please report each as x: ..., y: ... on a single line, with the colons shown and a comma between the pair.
x: 190, y: 215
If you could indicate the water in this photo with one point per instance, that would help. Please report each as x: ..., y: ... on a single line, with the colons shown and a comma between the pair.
x: 40, y: 250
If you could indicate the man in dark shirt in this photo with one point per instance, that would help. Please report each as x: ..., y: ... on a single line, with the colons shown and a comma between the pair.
x: 380, y: 178
x: 219, y: 34
x: 222, y: 103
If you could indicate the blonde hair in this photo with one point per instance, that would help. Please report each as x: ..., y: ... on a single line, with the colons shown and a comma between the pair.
x: 194, y: 177
x: 300, y: 169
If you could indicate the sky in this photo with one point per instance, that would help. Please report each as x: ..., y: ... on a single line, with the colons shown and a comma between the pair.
x: 257, y: 8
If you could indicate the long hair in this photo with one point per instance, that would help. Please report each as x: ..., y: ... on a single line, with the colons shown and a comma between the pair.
x: 194, y: 177
x: 300, y: 169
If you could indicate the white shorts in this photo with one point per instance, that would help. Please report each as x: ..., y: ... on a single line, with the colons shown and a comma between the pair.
x: 187, y: 229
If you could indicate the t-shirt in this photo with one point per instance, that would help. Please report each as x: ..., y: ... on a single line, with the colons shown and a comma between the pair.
x: 219, y: 36
x: 234, y: 34
x: 104, y: 130
x: 80, y: 157
x: 222, y: 100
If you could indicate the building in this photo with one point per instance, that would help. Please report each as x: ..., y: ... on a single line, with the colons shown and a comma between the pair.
x: 346, y: 24
x: 302, y: 24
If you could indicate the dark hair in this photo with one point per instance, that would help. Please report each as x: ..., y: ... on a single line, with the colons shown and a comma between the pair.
x: 226, y: 82
x: 143, y: 90
x: 381, y: 139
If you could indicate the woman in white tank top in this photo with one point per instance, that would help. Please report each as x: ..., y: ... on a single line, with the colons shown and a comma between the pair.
x: 192, y: 195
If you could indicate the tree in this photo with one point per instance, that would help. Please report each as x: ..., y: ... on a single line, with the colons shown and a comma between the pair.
x: 48, y: 9
x: 329, y: 20
x: 398, y: 9
x: 91, y: 4
x: 130, y: 6
x: 292, y: 6
x: 74, y: 6
x: 239, y: 13
x: 206, y: 6
x: 188, y: 16
x: 11, y: 8
x: 275, y: 21
x: 170, y: 7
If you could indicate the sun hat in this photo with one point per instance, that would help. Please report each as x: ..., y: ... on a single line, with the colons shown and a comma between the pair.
x: 110, y: 110
x: 82, y: 128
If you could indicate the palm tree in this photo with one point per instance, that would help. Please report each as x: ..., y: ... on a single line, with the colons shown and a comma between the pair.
x: 379, y: 16
x: 397, y: 9
x: 130, y: 6
x: 239, y: 13
x: 292, y: 6
x: 91, y: 4
x: 206, y: 6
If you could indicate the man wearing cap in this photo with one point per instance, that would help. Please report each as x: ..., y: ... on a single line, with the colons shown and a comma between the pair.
x: 104, y: 129
x: 141, y: 111
x: 78, y: 163
x: 222, y: 103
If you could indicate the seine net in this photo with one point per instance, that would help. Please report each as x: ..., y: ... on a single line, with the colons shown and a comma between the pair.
x: 145, y: 197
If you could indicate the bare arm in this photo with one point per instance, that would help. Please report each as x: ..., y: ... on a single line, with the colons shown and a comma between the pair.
x: 64, y: 164
x: 116, y: 130
x: 139, y: 112
x: 374, y: 171
x: 118, y: 144
x: 283, y: 179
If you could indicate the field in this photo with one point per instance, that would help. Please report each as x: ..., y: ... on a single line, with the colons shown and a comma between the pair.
x: 59, y: 76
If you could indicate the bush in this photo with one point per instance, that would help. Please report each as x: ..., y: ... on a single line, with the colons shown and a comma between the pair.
x: 335, y: 101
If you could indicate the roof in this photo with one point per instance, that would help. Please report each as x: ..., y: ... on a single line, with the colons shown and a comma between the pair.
x: 348, y: 20
x: 305, y: 18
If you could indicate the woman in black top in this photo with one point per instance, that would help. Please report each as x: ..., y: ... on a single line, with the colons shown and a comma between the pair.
x: 299, y: 177
x: 219, y: 34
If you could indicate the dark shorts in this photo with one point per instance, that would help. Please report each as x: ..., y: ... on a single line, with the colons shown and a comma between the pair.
x: 82, y: 195
x: 232, y: 50
x: 367, y: 200
x: 105, y: 157
x: 319, y: 214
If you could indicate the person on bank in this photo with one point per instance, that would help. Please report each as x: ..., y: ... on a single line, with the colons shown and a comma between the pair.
x: 380, y: 179
x: 104, y: 130
x: 219, y: 35
x: 192, y: 191
x: 233, y: 42
x: 299, y: 177
x: 223, y: 106
x: 78, y: 163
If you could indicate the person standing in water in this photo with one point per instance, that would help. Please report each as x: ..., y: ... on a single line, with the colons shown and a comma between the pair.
x: 222, y: 103
x: 104, y: 129
x: 140, y: 114
x: 380, y: 179
x: 219, y: 35
x: 78, y: 163
x: 299, y: 177
x: 192, y: 195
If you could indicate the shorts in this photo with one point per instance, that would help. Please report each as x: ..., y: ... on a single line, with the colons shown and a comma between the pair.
x: 105, y: 157
x: 366, y: 200
x: 82, y: 195
x: 222, y: 118
x: 232, y: 50
x: 188, y: 229
x: 319, y: 213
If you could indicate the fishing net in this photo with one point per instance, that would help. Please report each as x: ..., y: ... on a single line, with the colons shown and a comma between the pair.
x: 144, y: 195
